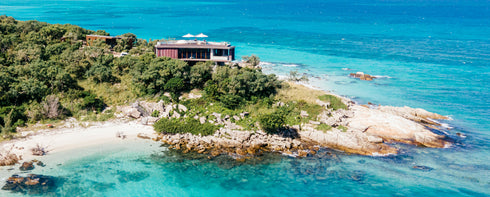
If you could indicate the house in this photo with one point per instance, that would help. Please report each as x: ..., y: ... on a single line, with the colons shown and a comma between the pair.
x: 193, y: 51
x: 109, y: 40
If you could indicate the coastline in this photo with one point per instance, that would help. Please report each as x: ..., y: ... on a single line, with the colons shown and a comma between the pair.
x: 72, y: 135
x: 73, y: 141
x: 69, y: 137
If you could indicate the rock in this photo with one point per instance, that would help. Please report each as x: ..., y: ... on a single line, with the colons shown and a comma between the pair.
x: 244, y: 114
x: 461, y: 135
x: 32, y: 184
x: 417, y: 114
x: 302, y: 153
x: 202, y: 120
x: 362, y: 76
x: 27, y: 166
x: 182, y: 107
x: 143, y: 136
x: 152, y: 120
x: 237, y: 118
x: 314, y: 122
x: 422, y: 168
x: 392, y: 127
x: 176, y: 115
x: 40, y: 163
x: 303, y: 114
x: 241, y: 152
x: 144, y: 121
x: 215, y: 153
x: 375, y: 139
x: 217, y: 115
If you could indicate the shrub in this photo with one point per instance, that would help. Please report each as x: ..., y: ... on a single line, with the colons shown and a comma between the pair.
x: 90, y: 101
x: 273, y: 122
x: 335, y: 102
x: 342, y: 128
x: 174, y: 126
x: 155, y: 113
x: 324, y: 127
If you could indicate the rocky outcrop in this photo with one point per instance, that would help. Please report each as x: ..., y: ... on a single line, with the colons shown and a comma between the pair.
x: 392, y: 127
x: 362, y: 76
x: 238, y: 144
x: 351, y: 141
x: 28, y: 165
x: 32, y: 184
x: 417, y: 115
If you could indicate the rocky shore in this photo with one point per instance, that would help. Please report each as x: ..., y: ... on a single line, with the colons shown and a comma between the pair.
x: 361, y: 129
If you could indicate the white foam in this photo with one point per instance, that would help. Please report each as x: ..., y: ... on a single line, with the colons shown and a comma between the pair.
x: 444, y: 125
x: 290, y: 65
x: 382, y: 76
x: 346, y: 69
x: 376, y: 154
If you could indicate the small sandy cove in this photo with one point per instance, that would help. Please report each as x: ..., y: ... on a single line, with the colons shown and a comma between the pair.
x: 72, y: 136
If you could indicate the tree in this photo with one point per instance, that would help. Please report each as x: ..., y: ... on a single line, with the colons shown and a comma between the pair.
x: 272, y: 123
x: 200, y: 73
x: 175, y: 86
x: 253, y: 60
x: 8, y: 127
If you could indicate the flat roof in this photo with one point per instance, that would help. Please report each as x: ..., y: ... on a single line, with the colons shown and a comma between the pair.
x: 191, y: 44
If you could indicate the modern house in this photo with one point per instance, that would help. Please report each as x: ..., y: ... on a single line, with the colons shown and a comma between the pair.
x: 193, y: 51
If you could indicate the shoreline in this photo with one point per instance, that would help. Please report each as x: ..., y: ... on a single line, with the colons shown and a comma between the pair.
x: 63, y: 139
x: 73, y: 135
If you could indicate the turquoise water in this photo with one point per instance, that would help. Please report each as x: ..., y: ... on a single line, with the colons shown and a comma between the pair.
x: 432, y: 54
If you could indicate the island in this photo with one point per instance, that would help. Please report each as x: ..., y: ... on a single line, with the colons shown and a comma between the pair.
x: 57, y: 85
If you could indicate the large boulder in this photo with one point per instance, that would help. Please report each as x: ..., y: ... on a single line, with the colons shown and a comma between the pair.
x: 27, y: 166
x: 362, y: 76
x: 393, y: 128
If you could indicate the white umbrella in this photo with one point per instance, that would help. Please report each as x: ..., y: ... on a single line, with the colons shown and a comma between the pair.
x: 188, y: 36
x: 201, y: 35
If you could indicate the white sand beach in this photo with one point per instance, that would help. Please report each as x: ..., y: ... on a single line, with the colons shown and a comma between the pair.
x: 68, y: 138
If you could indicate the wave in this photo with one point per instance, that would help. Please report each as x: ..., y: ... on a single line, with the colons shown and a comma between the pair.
x: 290, y: 65
x: 382, y: 76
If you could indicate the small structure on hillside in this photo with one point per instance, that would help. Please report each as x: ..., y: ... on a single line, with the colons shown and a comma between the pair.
x: 109, y: 40
x: 193, y: 51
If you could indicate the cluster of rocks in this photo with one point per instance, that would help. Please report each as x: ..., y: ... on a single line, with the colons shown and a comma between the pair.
x: 239, y: 144
x: 362, y: 76
x: 29, y: 165
x: 359, y: 129
x: 32, y: 184
x: 145, y: 111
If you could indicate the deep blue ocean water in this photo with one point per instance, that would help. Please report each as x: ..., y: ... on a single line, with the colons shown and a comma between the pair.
x: 431, y: 54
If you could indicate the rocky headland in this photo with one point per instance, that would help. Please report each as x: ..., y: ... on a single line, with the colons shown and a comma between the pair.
x: 359, y: 129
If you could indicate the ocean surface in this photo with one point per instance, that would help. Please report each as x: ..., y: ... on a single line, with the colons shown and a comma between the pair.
x: 431, y: 54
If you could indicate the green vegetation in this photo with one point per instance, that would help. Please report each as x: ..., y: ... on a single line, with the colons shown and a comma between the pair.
x: 174, y: 126
x: 273, y: 122
x: 335, y: 102
x: 324, y: 127
x: 253, y: 60
x: 342, y: 128
x: 47, y: 73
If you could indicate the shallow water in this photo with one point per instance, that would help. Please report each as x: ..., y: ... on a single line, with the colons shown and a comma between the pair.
x: 433, y: 55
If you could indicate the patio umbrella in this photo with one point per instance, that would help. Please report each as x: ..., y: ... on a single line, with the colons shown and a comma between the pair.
x: 201, y: 35
x: 188, y: 36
